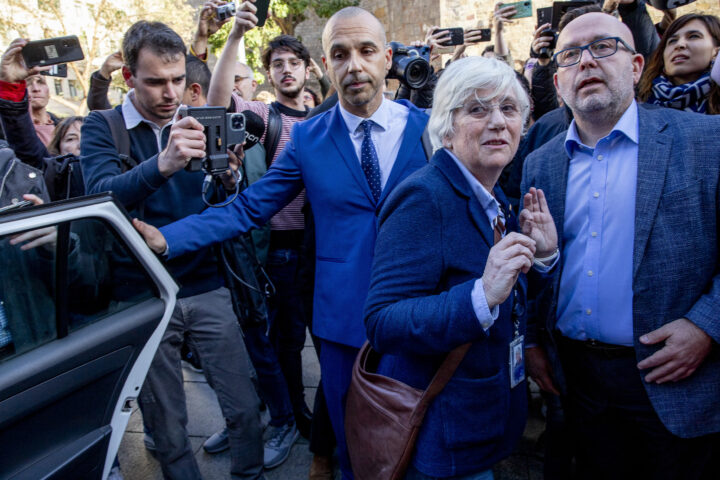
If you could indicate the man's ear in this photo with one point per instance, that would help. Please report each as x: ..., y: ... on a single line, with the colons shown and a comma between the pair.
x: 638, y: 62
x: 388, y: 59
x: 195, y: 91
x: 128, y: 77
x: 324, y: 62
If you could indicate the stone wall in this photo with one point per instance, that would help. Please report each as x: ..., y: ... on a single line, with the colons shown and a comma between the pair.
x: 408, y: 20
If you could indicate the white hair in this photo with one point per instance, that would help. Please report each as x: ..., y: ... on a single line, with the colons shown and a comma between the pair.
x: 462, y: 80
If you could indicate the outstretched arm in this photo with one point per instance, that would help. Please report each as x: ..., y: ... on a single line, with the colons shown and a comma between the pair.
x: 221, y: 84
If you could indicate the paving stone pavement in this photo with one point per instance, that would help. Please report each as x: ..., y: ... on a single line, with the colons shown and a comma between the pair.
x: 205, y: 418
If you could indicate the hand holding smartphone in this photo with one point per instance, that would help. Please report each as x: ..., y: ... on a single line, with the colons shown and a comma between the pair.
x: 52, y: 51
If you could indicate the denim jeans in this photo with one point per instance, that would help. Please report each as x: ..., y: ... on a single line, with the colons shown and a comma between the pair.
x: 215, y: 335
x: 273, y: 386
x: 286, y: 316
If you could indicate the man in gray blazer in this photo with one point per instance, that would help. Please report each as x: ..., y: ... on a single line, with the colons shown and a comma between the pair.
x: 628, y: 332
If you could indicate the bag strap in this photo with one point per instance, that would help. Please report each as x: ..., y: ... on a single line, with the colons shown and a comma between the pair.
x: 441, y: 378
x: 272, y: 136
x: 121, y: 139
x: 120, y: 136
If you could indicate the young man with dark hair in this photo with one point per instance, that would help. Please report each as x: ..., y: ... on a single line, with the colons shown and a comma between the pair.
x: 159, y: 190
x: 287, y: 63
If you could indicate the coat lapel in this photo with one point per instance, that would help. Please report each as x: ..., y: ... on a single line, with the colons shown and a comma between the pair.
x: 447, y: 166
x: 341, y: 138
x: 410, y: 145
x: 557, y: 171
x: 652, y: 163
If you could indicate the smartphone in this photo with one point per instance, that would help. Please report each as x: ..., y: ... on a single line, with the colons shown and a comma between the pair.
x: 13, y: 206
x: 484, y: 34
x: 523, y: 9
x: 51, y: 51
x: 262, y: 11
x: 457, y: 36
x: 59, y: 70
x: 544, y: 15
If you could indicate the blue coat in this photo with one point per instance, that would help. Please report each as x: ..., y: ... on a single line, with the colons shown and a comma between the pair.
x: 433, y: 244
x: 675, y: 252
x: 320, y: 158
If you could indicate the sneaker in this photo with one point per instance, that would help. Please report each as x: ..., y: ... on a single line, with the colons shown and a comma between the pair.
x: 149, y: 443
x: 277, y: 446
x: 218, y: 442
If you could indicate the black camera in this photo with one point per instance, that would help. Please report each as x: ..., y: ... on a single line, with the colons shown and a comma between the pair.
x: 226, y: 11
x: 410, y: 65
x: 222, y: 131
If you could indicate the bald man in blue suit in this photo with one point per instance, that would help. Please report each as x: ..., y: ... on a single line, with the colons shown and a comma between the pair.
x: 327, y: 156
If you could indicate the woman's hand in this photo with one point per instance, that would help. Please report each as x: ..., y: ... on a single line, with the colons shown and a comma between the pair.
x: 537, y: 223
x: 510, y: 256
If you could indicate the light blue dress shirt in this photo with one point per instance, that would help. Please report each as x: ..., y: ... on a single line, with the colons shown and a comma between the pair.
x: 390, y: 120
x: 595, y: 297
x: 491, y: 207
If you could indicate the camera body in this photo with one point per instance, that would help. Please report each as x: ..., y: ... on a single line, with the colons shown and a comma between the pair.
x: 226, y: 11
x: 222, y: 130
x: 410, y: 65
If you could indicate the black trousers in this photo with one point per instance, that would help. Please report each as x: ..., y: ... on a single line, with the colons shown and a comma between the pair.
x: 615, y: 429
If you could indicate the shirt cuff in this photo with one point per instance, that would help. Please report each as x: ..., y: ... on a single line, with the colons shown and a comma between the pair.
x: 543, y: 268
x: 13, y: 92
x: 485, y: 316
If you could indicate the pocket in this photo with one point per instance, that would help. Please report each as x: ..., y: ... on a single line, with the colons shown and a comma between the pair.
x: 474, y: 411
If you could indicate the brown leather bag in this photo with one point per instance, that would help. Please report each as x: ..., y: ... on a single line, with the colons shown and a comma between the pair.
x: 383, y: 415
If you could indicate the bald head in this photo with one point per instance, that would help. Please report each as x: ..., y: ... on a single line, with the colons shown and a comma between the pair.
x: 350, y: 15
x: 591, y: 26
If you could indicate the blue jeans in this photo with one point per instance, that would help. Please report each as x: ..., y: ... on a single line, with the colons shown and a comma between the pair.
x: 413, y: 474
x: 286, y: 316
x: 273, y: 387
x: 215, y: 335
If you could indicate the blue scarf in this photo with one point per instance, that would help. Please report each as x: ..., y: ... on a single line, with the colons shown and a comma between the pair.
x: 691, y: 96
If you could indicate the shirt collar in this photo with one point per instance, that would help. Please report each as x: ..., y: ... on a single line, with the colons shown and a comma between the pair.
x: 489, y: 204
x: 133, y: 118
x: 381, y: 116
x: 627, y: 126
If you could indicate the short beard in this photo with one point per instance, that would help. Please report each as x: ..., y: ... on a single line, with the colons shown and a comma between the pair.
x: 292, y: 92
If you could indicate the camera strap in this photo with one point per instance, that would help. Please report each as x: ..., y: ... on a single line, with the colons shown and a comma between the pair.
x: 272, y: 135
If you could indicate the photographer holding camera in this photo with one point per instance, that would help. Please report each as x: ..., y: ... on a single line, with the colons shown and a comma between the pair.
x: 153, y: 185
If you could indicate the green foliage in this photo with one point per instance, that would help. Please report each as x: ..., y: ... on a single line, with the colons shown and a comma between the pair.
x: 283, y: 17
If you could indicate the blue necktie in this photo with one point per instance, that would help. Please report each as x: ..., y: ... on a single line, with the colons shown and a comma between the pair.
x: 5, y: 336
x: 369, y: 160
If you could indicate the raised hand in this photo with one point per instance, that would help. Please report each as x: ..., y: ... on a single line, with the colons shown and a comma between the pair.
x: 245, y: 18
x: 12, y: 65
x: 537, y: 223
x: 113, y: 62
x: 510, y: 256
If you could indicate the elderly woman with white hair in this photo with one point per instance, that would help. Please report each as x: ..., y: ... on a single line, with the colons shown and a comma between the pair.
x: 450, y: 269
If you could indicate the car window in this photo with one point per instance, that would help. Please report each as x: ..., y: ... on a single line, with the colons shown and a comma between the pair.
x: 80, y: 274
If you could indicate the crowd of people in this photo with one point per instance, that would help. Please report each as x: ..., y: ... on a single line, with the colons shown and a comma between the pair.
x: 558, y: 222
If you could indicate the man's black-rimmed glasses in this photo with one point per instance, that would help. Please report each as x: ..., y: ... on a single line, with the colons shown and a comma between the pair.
x: 600, y: 48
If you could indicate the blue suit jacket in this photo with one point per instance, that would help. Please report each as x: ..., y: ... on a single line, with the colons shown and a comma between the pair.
x: 675, y: 251
x: 321, y: 158
x: 433, y: 244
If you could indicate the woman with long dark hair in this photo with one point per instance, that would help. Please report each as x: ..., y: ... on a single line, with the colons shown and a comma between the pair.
x: 678, y: 73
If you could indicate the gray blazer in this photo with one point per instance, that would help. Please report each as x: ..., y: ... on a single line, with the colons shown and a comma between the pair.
x: 675, y: 252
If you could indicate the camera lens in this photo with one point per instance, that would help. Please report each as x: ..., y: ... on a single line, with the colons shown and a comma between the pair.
x: 416, y: 73
x: 237, y: 122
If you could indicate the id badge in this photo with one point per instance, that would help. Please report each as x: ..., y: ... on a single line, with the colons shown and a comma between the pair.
x: 517, y: 361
